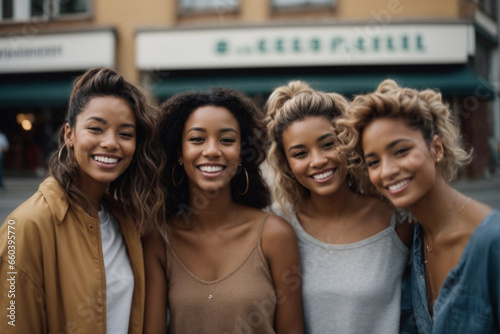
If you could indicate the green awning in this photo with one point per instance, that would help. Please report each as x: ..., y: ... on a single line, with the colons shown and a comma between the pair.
x: 36, y: 93
x: 456, y: 82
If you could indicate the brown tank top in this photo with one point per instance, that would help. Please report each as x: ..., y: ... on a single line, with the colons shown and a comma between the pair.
x: 244, y: 300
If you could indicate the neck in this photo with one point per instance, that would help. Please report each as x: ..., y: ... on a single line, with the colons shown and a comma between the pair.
x: 332, y: 206
x: 210, y: 211
x: 433, y: 208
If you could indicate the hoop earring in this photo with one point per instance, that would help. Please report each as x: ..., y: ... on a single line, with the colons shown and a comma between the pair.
x: 248, y: 183
x: 176, y: 184
x: 60, y: 153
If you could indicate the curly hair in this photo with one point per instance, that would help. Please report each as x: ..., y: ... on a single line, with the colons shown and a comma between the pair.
x: 176, y: 111
x: 139, y: 187
x: 286, y: 105
x: 420, y: 110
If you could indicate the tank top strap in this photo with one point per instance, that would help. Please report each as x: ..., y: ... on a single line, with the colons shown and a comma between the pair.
x: 394, y: 220
x: 261, y: 228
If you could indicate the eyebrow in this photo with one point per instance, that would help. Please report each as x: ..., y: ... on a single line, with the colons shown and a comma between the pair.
x: 326, y: 135
x: 103, y: 121
x: 220, y: 131
x: 388, y: 146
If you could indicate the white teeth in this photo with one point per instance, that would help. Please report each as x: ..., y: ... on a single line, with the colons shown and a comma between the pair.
x: 323, y: 175
x: 211, y: 169
x: 105, y: 160
x: 398, y: 185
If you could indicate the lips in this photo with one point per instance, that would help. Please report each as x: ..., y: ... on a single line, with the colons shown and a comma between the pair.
x: 323, y: 176
x: 398, y: 186
x: 211, y: 170
x: 105, y: 159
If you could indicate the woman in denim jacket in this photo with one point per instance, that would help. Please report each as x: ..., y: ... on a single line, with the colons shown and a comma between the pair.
x: 409, y: 147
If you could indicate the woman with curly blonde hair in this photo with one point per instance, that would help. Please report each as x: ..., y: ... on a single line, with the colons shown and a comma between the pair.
x: 352, y: 254
x: 409, y: 145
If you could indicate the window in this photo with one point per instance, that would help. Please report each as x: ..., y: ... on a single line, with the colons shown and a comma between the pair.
x: 290, y: 3
x: 23, y: 10
x: 210, y: 5
x: 7, y: 9
x: 489, y: 7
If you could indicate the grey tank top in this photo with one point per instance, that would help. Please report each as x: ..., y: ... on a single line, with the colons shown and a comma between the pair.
x: 352, y: 288
x: 244, y: 300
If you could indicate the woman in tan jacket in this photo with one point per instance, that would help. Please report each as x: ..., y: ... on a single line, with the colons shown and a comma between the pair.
x: 70, y: 256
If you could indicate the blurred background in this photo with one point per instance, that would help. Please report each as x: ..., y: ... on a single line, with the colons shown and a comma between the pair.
x: 168, y: 46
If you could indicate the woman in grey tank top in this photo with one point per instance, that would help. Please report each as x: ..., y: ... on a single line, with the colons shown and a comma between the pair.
x: 353, y: 253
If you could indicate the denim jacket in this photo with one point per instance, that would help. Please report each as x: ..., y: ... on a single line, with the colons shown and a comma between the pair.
x: 469, y: 299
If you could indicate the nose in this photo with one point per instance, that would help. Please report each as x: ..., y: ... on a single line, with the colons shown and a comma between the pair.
x: 389, y: 169
x: 211, y: 149
x: 318, y: 160
x: 109, y: 141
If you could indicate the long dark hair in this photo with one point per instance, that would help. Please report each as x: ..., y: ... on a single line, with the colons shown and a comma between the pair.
x: 138, y: 188
x: 175, y: 113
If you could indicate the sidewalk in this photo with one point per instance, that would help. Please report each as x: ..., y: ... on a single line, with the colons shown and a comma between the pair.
x: 20, y: 189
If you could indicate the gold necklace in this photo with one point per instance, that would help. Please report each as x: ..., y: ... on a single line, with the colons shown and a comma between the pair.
x: 429, y: 249
x: 344, y: 222
x: 211, y: 295
x: 426, y: 262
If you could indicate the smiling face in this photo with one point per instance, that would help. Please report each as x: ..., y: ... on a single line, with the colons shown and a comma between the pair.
x: 401, y: 165
x: 309, y: 147
x: 211, y: 146
x: 104, y: 140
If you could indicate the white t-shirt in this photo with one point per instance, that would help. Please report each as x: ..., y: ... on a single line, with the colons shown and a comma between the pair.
x: 119, y: 274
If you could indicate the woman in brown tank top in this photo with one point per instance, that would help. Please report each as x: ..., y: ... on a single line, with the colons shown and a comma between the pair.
x: 226, y: 266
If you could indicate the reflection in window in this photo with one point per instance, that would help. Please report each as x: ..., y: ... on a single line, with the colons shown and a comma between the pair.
x: 7, y: 9
x: 73, y: 6
x: 208, y: 4
x: 286, y: 3
x: 39, y: 7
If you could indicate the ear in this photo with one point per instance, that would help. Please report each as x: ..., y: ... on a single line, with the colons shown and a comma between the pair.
x: 68, y: 135
x: 437, y: 149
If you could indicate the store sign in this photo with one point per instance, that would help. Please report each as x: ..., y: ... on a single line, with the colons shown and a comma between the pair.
x: 56, y: 52
x: 304, y: 46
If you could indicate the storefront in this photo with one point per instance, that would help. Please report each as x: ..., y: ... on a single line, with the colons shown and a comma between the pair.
x: 36, y: 76
x: 344, y: 58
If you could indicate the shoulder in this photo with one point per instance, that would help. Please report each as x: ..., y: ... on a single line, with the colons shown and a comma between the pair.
x: 487, y: 233
x: 277, y: 230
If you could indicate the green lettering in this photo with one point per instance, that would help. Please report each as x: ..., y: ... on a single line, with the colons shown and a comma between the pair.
x: 315, y: 44
x: 405, y: 43
x: 420, y: 43
x: 279, y: 45
x: 262, y: 46
x: 222, y: 47
x: 296, y: 45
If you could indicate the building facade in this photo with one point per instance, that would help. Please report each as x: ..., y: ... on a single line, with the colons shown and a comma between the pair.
x: 344, y: 46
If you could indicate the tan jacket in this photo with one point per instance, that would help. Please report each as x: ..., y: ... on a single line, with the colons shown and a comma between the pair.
x: 52, y: 277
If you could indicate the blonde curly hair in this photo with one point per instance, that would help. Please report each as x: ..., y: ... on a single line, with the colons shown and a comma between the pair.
x: 421, y: 110
x: 286, y: 105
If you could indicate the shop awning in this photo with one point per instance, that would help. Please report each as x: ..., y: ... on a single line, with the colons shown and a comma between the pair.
x: 455, y: 82
x: 36, y: 93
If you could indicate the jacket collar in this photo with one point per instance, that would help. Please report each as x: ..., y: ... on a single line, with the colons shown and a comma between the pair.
x: 56, y: 198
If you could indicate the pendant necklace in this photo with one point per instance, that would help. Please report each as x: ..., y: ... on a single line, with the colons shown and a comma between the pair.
x: 211, y: 295
x: 428, y: 249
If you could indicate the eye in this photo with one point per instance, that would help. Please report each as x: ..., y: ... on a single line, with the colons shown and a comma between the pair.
x: 228, y: 140
x: 401, y: 151
x: 299, y: 154
x: 94, y: 129
x: 372, y: 163
x: 196, y: 140
x: 127, y: 135
x: 328, y: 145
